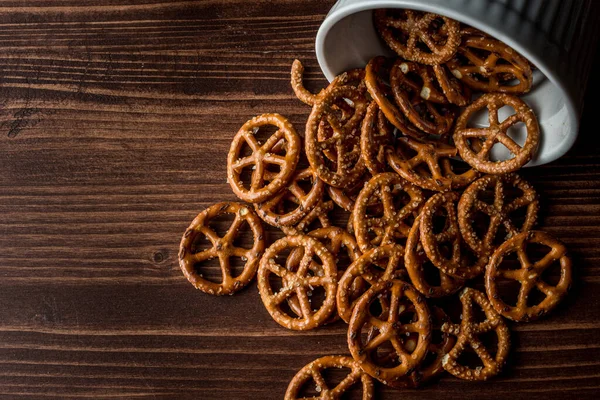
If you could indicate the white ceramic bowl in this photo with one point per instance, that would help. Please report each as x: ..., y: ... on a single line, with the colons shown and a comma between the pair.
x: 558, y: 37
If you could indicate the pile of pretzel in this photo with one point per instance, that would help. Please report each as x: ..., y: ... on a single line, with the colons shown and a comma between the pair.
x: 384, y: 143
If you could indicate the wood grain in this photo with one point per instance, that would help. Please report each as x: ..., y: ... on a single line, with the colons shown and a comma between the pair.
x: 115, y: 120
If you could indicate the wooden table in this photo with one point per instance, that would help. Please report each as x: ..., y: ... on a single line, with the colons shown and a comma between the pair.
x: 115, y: 121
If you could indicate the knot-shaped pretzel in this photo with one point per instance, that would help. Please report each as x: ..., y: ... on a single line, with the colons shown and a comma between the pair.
x: 529, y: 276
x: 314, y: 371
x: 455, y: 91
x: 222, y: 247
x: 488, y: 65
x: 456, y: 261
x: 478, y: 156
x: 298, y: 282
x: 421, y: 37
x: 400, y: 200
x: 390, y: 328
x: 468, y: 332
x: 499, y: 211
x: 376, y: 135
x: 414, y: 260
x: 263, y: 155
x: 427, y: 164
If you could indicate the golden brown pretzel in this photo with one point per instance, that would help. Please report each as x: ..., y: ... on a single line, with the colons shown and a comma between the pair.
x: 496, y: 132
x: 499, y: 212
x: 400, y: 200
x: 263, y: 154
x: 409, y: 33
x: 390, y: 329
x: 222, y: 247
x: 415, y: 258
x: 427, y: 164
x: 376, y: 134
x: 319, y: 212
x: 488, y: 65
x: 468, y: 332
x: 529, y: 276
x: 455, y: 91
x: 312, y: 371
x: 298, y: 282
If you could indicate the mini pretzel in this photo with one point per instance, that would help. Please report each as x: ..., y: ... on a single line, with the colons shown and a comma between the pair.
x: 298, y: 282
x: 430, y: 168
x: 496, y: 132
x: 488, y: 65
x: 261, y: 156
x: 319, y: 212
x: 376, y: 135
x: 409, y: 32
x: 346, y: 197
x: 272, y: 211
x: 529, y: 276
x: 223, y: 248
x: 415, y: 257
x: 344, y: 141
x: 390, y: 329
x: 313, y: 370
x: 457, y: 264
x: 499, y: 212
x: 375, y: 73
x: 455, y: 91
x: 393, y: 224
x: 378, y: 264
x: 467, y: 333
x: 410, y: 96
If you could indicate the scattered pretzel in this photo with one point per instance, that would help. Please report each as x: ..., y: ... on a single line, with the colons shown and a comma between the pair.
x: 376, y: 135
x: 467, y: 333
x: 499, y: 211
x: 346, y: 197
x: 222, y: 247
x: 318, y: 213
x: 313, y: 370
x: 529, y: 276
x: 262, y: 155
x: 497, y: 132
x: 455, y: 91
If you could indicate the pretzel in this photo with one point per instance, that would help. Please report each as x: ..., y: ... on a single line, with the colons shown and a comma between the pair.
x: 417, y: 101
x: 376, y: 135
x: 262, y: 155
x: 499, y: 212
x: 417, y: 31
x: 529, y: 276
x: 467, y: 333
x: 318, y: 213
x: 346, y: 197
x: 427, y: 164
x: 457, y: 264
x: 298, y: 282
x: 272, y: 211
x: 488, y: 65
x: 349, y: 166
x: 497, y: 132
x: 415, y: 258
x: 455, y: 91
x: 222, y: 247
x: 390, y: 329
x: 375, y: 73
x: 368, y: 269
x: 312, y: 371
x: 388, y: 188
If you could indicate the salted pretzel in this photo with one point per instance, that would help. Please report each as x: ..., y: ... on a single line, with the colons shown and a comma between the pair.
x: 298, y: 282
x: 273, y: 211
x: 262, y: 156
x: 414, y: 260
x: 346, y: 197
x: 400, y: 200
x: 349, y: 166
x: 377, y: 72
x: 421, y: 37
x: 455, y: 91
x: 319, y: 212
x: 468, y: 332
x: 427, y: 164
x: 376, y: 134
x: 313, y: 372
x: 418, y: 102
x: 496, y: 132
x: 488, y: 65
x: 457, y: 261
x: 530, y: 276
x: 499, y: 212
x: 223, y: 248
x: 390, y: 328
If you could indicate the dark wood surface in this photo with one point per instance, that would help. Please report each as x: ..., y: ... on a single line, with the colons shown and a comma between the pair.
x: 115, y: 121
